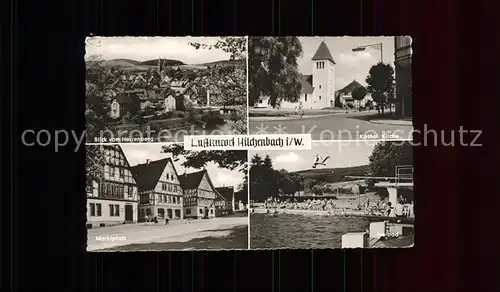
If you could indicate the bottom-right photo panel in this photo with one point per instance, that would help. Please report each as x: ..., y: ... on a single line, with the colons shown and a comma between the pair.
x: 342, y: 194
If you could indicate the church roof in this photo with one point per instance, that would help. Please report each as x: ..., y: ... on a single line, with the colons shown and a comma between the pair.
x: 323, y: 53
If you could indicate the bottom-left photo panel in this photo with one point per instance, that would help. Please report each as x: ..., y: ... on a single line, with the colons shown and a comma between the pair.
x: 155, y: 197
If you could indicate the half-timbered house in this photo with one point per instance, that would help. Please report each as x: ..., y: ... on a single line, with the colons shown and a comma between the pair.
x: 224, y: 202
x: 199, y: 195
x: 160, y: 191
x: 112, y: 194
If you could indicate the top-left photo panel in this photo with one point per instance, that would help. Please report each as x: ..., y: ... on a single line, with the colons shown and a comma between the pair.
x: 159, y: 89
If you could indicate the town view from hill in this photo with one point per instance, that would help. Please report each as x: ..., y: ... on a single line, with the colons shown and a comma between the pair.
x: 167, y: 95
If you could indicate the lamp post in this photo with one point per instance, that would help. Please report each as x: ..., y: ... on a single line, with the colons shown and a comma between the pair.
x: 372, y: 46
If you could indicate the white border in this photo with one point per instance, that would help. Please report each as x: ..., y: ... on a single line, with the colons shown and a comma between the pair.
x: 248, y: 91
x: 248, y: 197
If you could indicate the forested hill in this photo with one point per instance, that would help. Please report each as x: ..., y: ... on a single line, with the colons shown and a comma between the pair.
x: 334, y: 174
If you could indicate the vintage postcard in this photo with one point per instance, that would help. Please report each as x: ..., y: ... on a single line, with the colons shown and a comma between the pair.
x: 334, y: 88
x: 336, y: 195
x: 152, y: 197
x: 158, y: 89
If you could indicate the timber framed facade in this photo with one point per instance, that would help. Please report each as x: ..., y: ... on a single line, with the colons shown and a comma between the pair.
x: 112, y: 192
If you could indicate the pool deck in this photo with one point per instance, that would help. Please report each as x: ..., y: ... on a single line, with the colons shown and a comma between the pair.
x: 307, y: 212
x: 364, y: 214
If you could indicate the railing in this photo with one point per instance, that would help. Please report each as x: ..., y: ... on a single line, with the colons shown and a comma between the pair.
x: 404, y: 173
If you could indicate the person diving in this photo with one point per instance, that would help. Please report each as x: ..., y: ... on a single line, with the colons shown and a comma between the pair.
x: 319, y: 161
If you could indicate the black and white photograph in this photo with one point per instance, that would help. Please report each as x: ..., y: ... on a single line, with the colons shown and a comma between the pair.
x: 335, y: 88
x: 152, y: 197
x: 158, y: 89
x: 336, y: 195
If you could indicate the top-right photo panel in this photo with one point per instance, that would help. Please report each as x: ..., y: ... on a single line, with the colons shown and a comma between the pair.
x: 334, y: 88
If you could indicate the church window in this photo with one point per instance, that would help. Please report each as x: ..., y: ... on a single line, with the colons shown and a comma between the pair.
x: 320, y: 87
x: 320, y: 98
x: 305, y: 97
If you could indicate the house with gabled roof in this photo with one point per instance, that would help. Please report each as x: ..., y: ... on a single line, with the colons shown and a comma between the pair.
x: 318, y: 89
x: 160, y: 191
x: 199, y: 195
x: 224, y: 202
x: 123, y: 103
x: 112, y: 197
x: 344, y: 95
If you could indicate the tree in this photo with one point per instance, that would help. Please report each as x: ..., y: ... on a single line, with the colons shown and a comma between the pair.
x: 391, y: 99
x: 156, y: 108
x: 97, y: 96
x: 380, y: 83
x: 359, y: 94
x: 338, y: 103
x: 314, y: 186
x: 233, y: 159
x: 386, y: 156
x: 369, y: 104
x: 256, y: 160
x: 289, y: 183
x: 237, y: 124
x: 273, y: 69
x: 228, y: 80
x: 263, y: 179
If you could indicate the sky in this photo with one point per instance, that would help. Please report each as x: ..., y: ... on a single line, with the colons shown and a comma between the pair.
x: 349, y: 65
x: 149, y: 48
x: 139, y: 153
x: 342, y: 154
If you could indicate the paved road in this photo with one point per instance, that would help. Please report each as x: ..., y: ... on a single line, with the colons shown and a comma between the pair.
x: 141, y: 233
x: 334, y: 127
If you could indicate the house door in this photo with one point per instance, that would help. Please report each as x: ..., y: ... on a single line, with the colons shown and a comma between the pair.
x: 169, y: 213
x: 206, y: 212
x: 177, y: 213
x: 129, y: 213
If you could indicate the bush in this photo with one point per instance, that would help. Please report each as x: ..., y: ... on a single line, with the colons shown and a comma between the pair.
x: 194, y: 118
x: 212, y: 118
x: 179, y: 114
x: 238, y: 127
x: 350, y: 105
x: 209, y: 119
x: 164, y: 115
x: 235, y: 116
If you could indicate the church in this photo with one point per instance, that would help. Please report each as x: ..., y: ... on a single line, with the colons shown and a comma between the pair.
x: 318, y: 89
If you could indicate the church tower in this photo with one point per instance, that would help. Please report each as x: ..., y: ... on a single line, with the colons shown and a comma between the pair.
x: 160, y: 65
x: 323, y: 71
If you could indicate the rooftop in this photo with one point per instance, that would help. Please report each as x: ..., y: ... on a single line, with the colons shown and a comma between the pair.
x: 323, y: 53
